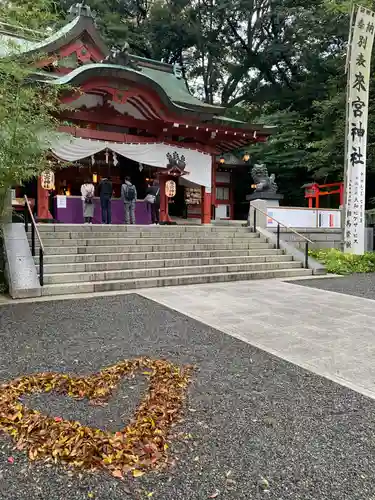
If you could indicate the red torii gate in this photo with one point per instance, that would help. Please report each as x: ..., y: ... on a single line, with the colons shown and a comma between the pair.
x: 313, y: 191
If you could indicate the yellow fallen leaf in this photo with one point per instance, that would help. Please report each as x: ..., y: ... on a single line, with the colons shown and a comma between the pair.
x: 137, y: 473
x: 90, y: 495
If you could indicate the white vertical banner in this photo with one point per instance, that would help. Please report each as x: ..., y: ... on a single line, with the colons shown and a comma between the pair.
x: 361, y: 42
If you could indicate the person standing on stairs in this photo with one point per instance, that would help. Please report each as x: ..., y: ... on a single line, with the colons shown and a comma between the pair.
x: 129, y: 197
x: 105, y: 194
x: 88, y: 192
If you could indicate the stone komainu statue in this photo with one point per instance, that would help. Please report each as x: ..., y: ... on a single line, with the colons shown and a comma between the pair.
x: 262, y: 180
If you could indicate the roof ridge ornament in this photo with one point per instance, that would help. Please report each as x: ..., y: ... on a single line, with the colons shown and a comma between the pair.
x: 174, y: 160
x: 81, y: 9
x: 120, y: 56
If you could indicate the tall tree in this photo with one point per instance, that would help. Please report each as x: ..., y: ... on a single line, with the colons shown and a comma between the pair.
x: 24, y: 116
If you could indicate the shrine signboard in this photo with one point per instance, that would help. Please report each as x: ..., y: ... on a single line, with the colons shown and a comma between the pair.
x: 360, y: 49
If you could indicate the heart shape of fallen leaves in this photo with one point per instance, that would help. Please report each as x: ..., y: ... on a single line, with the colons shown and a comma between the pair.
x: 141, y: 445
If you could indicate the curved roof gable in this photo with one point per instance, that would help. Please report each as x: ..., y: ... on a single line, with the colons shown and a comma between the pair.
x: 84, y: 73
x: 162, y: 77
x: 70, y: 32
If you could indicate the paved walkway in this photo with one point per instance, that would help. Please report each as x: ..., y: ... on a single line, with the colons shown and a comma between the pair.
x: 328, y: 333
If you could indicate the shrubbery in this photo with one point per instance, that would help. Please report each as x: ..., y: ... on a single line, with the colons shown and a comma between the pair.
x: 337, y: 262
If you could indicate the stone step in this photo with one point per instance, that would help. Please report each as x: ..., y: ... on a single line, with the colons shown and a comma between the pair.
x: 124, y: 256
x: 165, y: 272
x: 154, y: 248
x: 122, y: 242
x: 143, y: 234
x: 134, y: 228
x: 150, y: 264
x: 131, y: 284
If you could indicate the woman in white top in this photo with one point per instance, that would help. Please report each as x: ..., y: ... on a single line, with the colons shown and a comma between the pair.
x: 88, y: 191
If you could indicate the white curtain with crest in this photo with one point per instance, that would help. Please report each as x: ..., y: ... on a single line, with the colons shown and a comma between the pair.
x: 198, y: 164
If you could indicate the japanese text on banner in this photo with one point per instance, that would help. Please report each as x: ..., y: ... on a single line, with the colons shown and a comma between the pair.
x: 358, y: 95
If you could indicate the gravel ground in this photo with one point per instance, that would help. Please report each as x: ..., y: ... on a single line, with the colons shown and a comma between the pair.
x: 359, y: 285
x: 252, y: 422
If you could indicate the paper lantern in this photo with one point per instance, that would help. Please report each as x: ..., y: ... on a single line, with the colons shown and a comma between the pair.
x: 48, y: 180
x: 170, y: 189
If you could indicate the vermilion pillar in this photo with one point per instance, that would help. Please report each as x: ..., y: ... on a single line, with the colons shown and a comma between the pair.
x: 43, y: 202
x: 206, y: 207
x: 213, y: 187
x: 163, y: 199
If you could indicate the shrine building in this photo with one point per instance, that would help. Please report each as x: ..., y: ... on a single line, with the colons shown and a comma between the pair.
x: 126, y: 115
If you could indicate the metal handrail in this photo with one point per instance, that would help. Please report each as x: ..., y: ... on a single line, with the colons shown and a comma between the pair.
x: 34, y: 231
x: 307, y: 241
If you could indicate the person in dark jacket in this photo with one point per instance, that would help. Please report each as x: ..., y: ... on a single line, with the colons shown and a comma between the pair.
x: 105, y: 194
x: 153, y: 200
x: 129, y: 197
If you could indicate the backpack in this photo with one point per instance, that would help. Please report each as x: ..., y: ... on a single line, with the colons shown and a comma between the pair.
x: 89, y: 197
x: 130, y: 193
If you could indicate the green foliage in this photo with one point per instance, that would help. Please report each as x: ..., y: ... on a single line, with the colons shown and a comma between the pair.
x: 31, y: 14
x: 337, y: 262
x: 26, y: 110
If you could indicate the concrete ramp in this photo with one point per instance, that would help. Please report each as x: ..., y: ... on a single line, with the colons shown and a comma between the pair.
x: 20, y: 270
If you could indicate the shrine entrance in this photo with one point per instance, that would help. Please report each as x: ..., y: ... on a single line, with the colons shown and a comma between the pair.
x: 143, y: 163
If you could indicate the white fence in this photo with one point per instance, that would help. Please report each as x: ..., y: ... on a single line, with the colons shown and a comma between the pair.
x: 305, y: 217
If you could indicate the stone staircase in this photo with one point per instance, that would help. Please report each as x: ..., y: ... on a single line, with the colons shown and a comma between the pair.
x: 95, y: 258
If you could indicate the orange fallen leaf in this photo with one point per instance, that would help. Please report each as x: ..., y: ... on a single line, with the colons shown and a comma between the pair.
x: 58, y: 419
x: 117, y: 473
x: 11, y: 460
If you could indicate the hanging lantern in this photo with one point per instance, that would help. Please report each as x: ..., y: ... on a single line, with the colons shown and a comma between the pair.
x: 93, y: 160
x: 246, y: 157
x: 170, y: 189
x: 107, y: 156
x: 48, y: 180
x: 94, y: 178
x: 115, y: 160
x: 222, y: 160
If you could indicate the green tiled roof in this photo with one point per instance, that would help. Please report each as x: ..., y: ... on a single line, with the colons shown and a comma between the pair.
x: 176, y: 89
x: 61, y: 33
x: 160, y: 76
x: 167, y: 84
x: 16, y: 44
